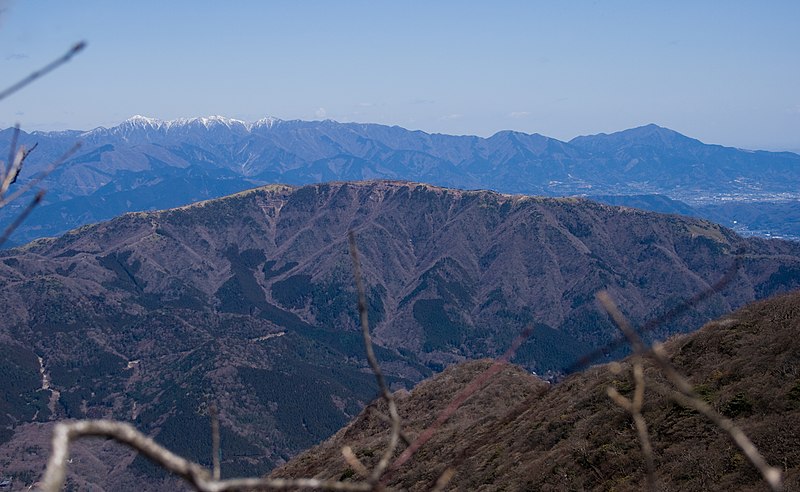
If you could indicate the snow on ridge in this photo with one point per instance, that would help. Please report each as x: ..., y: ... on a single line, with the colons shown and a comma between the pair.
x: 139, y: 122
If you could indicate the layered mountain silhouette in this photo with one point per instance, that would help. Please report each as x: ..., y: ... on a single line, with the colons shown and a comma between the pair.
x: 147, y: 164
x: 248, y: 302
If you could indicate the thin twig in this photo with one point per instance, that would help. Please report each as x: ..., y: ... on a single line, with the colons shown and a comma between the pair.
x: 687, y: 397
x: 36, y: 180
x: 641, y: 426
x: 12, y: 150
x: 634, y: 407
x: 462, y: 396
x: 771, y: 474
x: 13, y: 171
x: 444, y: 479
x: 673, y: 313
x: 394, y: 438
x: 352, y: 460
x: 638, y: 345
x: 43, y: 71
x: 215, y: 451
x: 25, y: 154
x: 382, y: 416
x: 193, y: 473
x: 21, y: 217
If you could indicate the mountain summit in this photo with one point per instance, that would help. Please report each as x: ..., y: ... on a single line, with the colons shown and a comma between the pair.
x: 145, y: 164
x: 651, y: 135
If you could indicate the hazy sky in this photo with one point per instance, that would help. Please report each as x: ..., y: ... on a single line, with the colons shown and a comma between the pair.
x: 724, y: 72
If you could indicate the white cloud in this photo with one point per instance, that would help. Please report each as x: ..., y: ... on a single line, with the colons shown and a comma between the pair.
x: 519, y: 114
x: 320, y: 113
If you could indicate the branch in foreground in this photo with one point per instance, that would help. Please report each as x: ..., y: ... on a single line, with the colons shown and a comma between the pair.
x: 44, y: 70
x: 673, y: 313
x: 394, y: 438
x: 39, y: 177
x: 195, y: 474
x: 21, y: 217
x: 12, y: 150
x: 476, y: 384
x: 634, y: 407
x: 686, y: 396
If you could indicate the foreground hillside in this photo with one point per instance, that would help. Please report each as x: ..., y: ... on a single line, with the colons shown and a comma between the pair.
x: 148, y: 164
x: 521, y: 434
x: 248, y: 302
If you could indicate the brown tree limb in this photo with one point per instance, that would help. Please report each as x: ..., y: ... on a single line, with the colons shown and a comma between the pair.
x: 21, y: 217
x: 43, y: 71
x: 476, y: 384
x: 39, y: 177
x: 193, y: 473
x: 394, y: 437
x: 686, y: 396
x: 634, y: 407
x: 215, y: 458
x: 352, y: 460
x: 673, y: 313
x: 12, y: 150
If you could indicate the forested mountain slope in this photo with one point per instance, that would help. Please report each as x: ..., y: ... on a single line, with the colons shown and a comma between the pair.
x: 248, y: 301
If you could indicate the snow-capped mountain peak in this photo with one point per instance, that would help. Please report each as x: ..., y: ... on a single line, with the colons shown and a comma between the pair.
x: 143, y: 123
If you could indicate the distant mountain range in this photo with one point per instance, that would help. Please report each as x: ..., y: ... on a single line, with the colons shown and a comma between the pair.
x: 248, y: 302
x: 148, y: 164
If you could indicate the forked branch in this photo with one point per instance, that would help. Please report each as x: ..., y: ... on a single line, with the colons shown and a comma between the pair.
x: 394, y: 437
x: 685, y: 395
x: 634, y: 407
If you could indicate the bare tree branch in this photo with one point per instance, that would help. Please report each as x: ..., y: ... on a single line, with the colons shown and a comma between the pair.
x: 634, y: 407
x: 771, y: 474
x: 12, y: 150
x: 65, y: 433
x: 16, y: 157
x: 215, y: 458
x: 673, y: 313
x: 352, y: 460
x: 193, y: 473
x: 382, y: 416
x: 13, y: 169
x: 21, y: 217
x: 462, y: 396
x: 444, y: 479
x: 687, y: 397
x: 394, y: 438
x: 39, y: 177
x: 43, y: 71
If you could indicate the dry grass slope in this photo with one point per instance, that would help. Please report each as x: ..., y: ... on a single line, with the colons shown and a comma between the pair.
x: 516, y: 434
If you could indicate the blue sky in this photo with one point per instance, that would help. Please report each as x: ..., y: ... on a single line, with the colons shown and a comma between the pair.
x: 723, y: 72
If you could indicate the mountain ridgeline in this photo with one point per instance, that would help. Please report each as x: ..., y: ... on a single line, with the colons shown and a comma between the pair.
x: 147, y: 164
x: 249, y: 302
